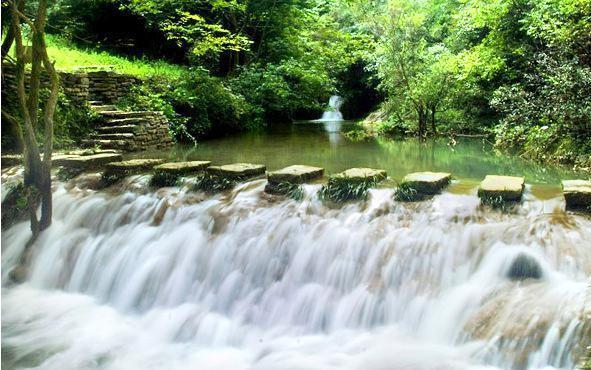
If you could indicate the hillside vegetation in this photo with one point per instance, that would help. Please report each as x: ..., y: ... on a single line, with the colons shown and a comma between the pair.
x: 518, y: 71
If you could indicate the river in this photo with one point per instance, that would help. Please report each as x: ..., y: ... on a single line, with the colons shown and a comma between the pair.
x: 134, y: 278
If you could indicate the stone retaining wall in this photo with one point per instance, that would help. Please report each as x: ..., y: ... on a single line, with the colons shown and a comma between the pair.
x: 103, y: 86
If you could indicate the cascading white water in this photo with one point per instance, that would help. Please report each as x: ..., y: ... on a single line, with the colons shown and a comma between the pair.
x: 174, y: 280
x: 333, y: 114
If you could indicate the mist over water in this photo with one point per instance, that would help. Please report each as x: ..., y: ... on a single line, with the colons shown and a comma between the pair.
x: 169, y: 279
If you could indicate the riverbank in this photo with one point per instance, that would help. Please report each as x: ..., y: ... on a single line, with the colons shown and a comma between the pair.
x: 540, y: 146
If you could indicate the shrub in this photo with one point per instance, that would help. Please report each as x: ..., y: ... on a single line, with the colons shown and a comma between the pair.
x: 197, y: 106
x: 547, y: 117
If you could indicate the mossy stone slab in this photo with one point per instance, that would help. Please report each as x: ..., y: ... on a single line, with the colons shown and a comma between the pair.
x: 133, y: 166
x: 577, y: 193
x: 426, y: 182
x: 87, y: 161
x: 182, y: 168
x: 237, y: 170
x: 508, y: 188
x: 356, y: 175
x: 296, y: 174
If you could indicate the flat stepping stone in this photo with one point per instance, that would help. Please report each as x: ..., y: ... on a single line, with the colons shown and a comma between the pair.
x: 88, y: 161
x: 92, y: 151
x: 181, y: 168
x: 296, y: 174
x: 9, y: 160
x: 577, y: 193
x: 237, y: 170
x: 132, y: 166
x: 427, y: 183
x: 361, y: 175
x: 506, y: 188
x: 291, y: 176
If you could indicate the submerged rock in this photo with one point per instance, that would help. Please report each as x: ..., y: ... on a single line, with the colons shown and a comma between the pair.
x: 577, y: 193
x: 524, y: 267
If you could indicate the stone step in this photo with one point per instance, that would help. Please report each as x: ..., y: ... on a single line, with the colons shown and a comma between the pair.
x: 577, y: 194
x: 117, y: 129
x: 503, y: 188
x: 237, y: 170
x: 119, y: 136
x: 104, y: 108
x: 107, y: 144
x: 125, y: 114
x: 126, y: 121
x: 96, y: 102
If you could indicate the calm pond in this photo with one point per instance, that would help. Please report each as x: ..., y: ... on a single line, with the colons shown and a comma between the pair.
x: 323, y: 144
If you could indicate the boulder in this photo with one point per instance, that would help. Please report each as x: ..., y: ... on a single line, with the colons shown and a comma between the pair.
x: 577, y: 193
x: 505, y: 188
x: 296, y: 174
x: 427, y: 183
x: 524, y: 267
x: 181, y: 168
x: 237, y: 170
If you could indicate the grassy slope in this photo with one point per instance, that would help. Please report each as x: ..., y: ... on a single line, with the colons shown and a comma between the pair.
x: 68, y: 57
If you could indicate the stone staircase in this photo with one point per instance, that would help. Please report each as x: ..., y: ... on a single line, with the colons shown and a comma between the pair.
x: 128, y: 131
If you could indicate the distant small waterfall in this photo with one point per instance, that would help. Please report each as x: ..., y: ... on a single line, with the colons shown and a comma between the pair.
x: 334, y: 109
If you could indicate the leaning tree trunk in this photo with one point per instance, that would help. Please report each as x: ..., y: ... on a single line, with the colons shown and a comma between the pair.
x: 37, y: 174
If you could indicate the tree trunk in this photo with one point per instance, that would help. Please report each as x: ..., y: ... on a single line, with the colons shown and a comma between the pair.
x: 433, y: 125
x: 37, y: 170
x: 422, y: 124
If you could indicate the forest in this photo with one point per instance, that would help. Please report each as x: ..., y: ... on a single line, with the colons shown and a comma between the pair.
x: 517, y: 71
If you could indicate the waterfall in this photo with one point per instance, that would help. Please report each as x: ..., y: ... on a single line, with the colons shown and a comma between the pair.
x: 333, y: 114
x: 176, y: 280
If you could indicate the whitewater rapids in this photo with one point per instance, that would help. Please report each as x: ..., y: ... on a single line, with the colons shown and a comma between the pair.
x: 169, y: 279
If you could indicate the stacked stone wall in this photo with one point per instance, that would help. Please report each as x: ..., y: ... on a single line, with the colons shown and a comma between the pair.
x: 103, y: 86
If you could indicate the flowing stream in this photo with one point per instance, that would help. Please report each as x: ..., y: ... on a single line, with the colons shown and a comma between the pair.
x: 131, y: 278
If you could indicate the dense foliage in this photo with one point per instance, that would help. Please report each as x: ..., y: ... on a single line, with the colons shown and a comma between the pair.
x: 518, y: 70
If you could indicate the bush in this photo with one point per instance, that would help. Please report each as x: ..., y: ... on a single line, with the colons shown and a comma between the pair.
x: 547, y: 117
x: 197, y: 106
x: 72, y: 122
x: 284, y: 90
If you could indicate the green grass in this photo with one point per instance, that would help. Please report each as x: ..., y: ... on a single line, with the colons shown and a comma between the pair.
x: 68, y: 56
